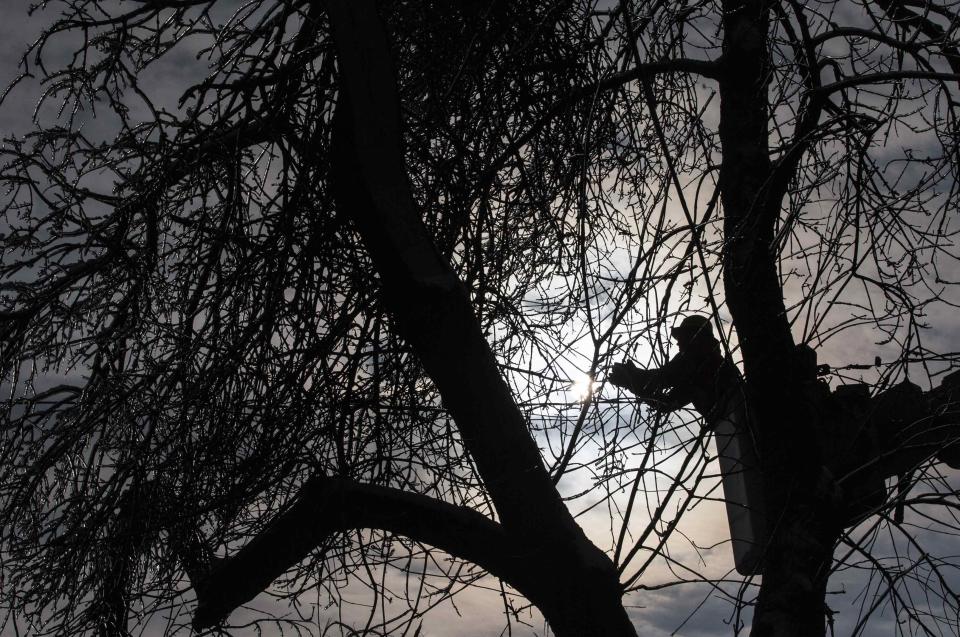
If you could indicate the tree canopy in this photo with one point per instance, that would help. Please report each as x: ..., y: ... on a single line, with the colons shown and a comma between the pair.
x: 293, y: 294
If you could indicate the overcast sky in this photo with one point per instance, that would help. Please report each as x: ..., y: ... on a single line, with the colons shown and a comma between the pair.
x: 666, y: 611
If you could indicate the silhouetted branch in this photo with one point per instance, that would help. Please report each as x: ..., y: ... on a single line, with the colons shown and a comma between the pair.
x: 901, y: 15
x: 326, y: 506
x: 889, y: 76
x: 434, y: 314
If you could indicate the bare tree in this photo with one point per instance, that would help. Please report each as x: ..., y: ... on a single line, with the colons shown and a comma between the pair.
x: 317, y: 322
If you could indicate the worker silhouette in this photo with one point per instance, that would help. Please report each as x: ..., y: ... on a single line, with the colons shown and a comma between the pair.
x: 861, y: 439
x: 698, y: 374
x: 702, y: 375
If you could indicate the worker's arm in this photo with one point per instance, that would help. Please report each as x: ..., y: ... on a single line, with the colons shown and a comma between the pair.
x: 647, y: 384
x: 665, y: 388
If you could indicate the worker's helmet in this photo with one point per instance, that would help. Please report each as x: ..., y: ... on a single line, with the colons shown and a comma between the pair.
x: 693, y: 327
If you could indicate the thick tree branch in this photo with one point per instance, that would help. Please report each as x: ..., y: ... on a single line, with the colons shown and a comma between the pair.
x: 429, y: 302
x: 326, y: 506
x: 576, y: 584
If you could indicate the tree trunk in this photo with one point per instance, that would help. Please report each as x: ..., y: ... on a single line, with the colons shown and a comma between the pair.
x: 800, y: 531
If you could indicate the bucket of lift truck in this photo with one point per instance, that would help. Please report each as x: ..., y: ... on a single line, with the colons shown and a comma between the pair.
x: 742, y: 484
x: 945, y: 409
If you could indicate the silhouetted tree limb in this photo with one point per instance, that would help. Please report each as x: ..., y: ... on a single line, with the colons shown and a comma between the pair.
x: 325, y: 506
x: 434, y: 314
x: 900, y: 13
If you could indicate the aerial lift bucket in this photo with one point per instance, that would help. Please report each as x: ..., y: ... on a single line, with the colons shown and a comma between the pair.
x: 742, y: 484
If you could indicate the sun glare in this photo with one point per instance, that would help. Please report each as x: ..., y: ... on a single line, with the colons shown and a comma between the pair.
x: 583, y: 387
